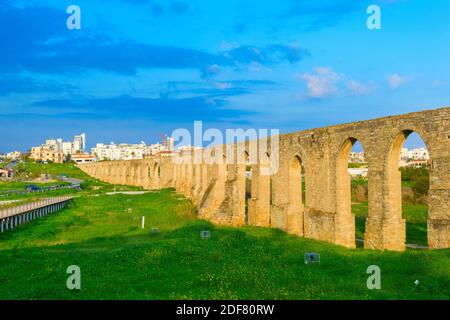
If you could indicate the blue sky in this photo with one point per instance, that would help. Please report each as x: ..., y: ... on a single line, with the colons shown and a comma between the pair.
x: 138, y: 68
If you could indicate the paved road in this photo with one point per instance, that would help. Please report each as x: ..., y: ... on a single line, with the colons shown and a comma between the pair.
x: 127, y: 192
x: 74, y: 181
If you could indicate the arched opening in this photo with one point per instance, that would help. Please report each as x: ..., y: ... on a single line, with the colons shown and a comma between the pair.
x: 297, y: 192
x: 359, y: 189
x: 264, y: 191
x: 352, y: 194
x: 197, y: 185
x: 248, y: 184
x: 156, y: 175
x: 409, y: 183
x: 268, y: 168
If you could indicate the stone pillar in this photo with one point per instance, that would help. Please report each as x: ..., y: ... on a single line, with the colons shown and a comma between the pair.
x: 259, y: 205
x: 240, y: 183
x: 197, y: 183
x: 294, y: 218
x: 344, y: 219
x: 373, y: 236
x: 439, y: 204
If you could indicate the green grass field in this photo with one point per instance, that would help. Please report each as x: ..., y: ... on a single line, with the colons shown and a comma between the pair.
x: 119, y: 260
x: 55, y: 169
x: 89, y: 185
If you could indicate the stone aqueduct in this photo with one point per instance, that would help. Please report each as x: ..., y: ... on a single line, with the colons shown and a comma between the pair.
x: 324, y: 211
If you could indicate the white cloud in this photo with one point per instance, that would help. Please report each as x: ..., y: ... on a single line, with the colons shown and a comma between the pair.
x: 221, y: 85
x: 227, y: 46
x: 358, y: 88
x: 437, y: 83
x: 257, y: 67
x: 322, y: 83
x: 395, y: 80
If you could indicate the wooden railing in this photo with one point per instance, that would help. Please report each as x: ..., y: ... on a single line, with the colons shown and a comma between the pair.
x: 14, y: 216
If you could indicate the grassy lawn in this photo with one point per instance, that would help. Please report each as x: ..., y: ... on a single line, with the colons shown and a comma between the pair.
x: 55, y: 169
x: 119, y: 260
x: 89, y: 184
x: 415, y: 215
x: 20, y: 185
x: 360, y: 211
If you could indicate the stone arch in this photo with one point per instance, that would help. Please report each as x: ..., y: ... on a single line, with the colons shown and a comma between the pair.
x: 259, y: 206
x: 148, y: 175
x: 295, y: 214
x: 156, y: 175
x: 109, y: 173
x: 149, y: 171
x: 394, y: 226
x: 197, y: 182
x: 246, y: 184
x: 132, y: 173
x: 345, y: 220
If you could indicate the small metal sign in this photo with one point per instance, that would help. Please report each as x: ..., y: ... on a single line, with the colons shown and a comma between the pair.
x: 312, y: 257
x: 155, y: 231
x: 205, y: 234
x: 417, y: 283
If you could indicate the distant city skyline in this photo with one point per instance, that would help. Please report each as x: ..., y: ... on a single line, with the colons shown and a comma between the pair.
x: 412, y: 142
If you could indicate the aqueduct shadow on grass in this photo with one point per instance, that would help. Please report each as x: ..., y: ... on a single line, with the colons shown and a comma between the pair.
x: 218, y: 189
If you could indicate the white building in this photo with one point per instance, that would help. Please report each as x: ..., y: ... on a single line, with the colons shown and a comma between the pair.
x: 414, y: 154
x: 124, y: 151
x: 83, y: 158
x: 106, y: 151
x: 132, y: 151
x: 15, y: 155
x: 358, y: 172
x: 419, y: 154
x: 121, y: 151
x: 66, y: 148
x: 357, y: 157
x: 414, y: 157
x: 79, y: 143
x: 169, y: 143
x: 155, y: 149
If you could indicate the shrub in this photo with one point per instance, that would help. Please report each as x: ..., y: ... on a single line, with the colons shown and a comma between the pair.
x: 420, y: 185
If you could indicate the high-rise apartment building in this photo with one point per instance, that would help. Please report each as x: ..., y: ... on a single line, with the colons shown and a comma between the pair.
x: 79, y: 143
x: 57, y: 150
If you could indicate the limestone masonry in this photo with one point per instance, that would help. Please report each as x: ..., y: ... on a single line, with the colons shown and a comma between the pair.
x: 324, y: 213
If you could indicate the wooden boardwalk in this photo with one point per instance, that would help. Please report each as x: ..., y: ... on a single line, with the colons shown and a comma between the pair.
x: 14, y: 216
